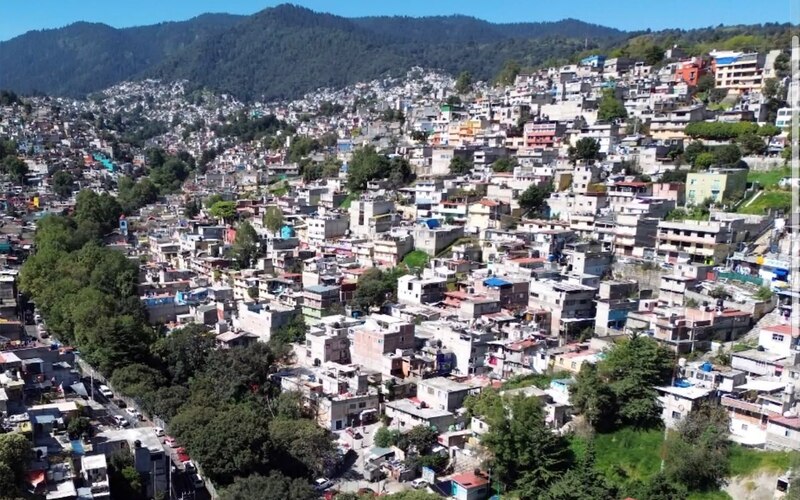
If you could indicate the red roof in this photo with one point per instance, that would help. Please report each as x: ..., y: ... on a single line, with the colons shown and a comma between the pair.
x: 469, y: 480
x: 631, y: 184
x: 488, y: 203
x: 791, y: 422
x: 783, y: 329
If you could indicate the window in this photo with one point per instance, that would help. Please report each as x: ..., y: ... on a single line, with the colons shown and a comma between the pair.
x: 786, y: 433
x: 574, y: 365
x: 777, y: 337
x: 744, y: 427
x: 362, y: 404
x: 676, y: 415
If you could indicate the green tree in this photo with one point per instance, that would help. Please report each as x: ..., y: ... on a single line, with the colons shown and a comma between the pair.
x: 224, y: 210
x: 136, y: 379
x: 586, y: 149
x: 245, y: 245
x: 659, y: 487
x: 692, y: 151
x: 460, y: 166
x: 385, y: 437
x: 14, y: 168
x: 504, y: 164
x: 768, y: 130
x: 375, y: 287
x: 15, y: 453
x: 78, y: 427
x: 508, y: 74
x: 751, y: 144
x: 610, y: 108
x: 308, y: 446
x: 420, y: 438
x: 464, y: 82
x: 705, y: 160
x: 594, y: 398
x: 697, y: 456
x: 169, y: 176
x: 534, y: 197
x: 273, y: 219
x: 62, y: 184
x: 365, y: 165
x: 123, y: 479
x: 729, y: 154
x: 527, y: 456
x: 582, y: 482
x: 293, y: 331
x: 770, y: 88
x: 255, y: 486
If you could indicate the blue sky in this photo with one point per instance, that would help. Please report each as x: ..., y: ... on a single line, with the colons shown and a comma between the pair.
x: 20, y: 16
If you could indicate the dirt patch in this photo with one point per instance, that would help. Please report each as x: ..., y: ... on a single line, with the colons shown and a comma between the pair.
x: 759, y: 486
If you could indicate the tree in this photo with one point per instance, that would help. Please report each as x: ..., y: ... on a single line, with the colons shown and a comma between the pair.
x: 653, y: 55
x: 770, y: 88
x: 385, y: 437
x: 527, y: 456
x: 751, y: 144
x: 123, y: 478
x: 460, y: 166
x: 421, y: 439
x: 705, y: 160
x: 464, y: 82
x: 586, y: 149
x: 273, y: 219
x: 610, y: 108
x: 245, y: 245
x: 504, y: 164
x: 365, y: 165
x: 14, y: 168
x: 582, y: 482
x: 255, y: 486
x: 293, y: 331
x: 697, y: 456
x: 305, y: 448
x: 692, y: 151
x: 375, y: 287
x: 729, y: 154
x: 768, y: 130
x: 659, y: 487
x: 15, y: 453
x: 533, y: 197
x: 136, y: 379
x: 594, y: 398
x: 225, y: 210
x: 508, y: 74
x: 78, y: 427
x: 62, y: 184
x: 169, y: 176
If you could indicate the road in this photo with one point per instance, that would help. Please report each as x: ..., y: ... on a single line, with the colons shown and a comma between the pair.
x: 353, y: 479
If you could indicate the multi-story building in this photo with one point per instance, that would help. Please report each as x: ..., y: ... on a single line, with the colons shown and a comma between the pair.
x: 376, y: 343
x: 571, y: 305
x: 149, y: 458
x: 326, y: 227
x: 389, y: 249
x: 737, y: 71
x: 442, y: 393
x: 432, y: 238
x: 371, y: 215
x: 698, y: 241
x: 468, y: 346
x: 328, y: 340
x: 690, y: 70
x: 318, y: 300
x: 262, y: 319
x: 544, y: 134
x: 716, y: 185
x: 418, y: 291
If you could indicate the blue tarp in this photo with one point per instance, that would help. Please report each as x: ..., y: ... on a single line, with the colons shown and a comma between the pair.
x: 432, y: 223
x: 495, y: 281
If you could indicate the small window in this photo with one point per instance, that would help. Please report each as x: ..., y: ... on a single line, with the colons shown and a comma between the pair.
x: 777, y: 337
x: 676, y: 415
x: 744, y: 427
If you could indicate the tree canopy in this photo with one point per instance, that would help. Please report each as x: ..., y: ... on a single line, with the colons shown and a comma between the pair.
x: 610, y: 107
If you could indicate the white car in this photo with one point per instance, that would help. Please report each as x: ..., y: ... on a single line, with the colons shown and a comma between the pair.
x: 105, y: 391
x: 322, y: 484
x: 159, y: 431
x: 121, y: 421
x: 132, y: 412
x: 18, y: 418
x: 419, y: 484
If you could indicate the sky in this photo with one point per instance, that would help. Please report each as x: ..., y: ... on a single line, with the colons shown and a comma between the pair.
x: 20, y: 16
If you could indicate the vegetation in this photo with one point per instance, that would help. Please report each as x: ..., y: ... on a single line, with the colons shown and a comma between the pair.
x: 619, y: 389
x: 245, y: 245
x: 273, y: 219
x: 460, y: 166
x: 504, y: 164
x: 768, y: 178
x: 610, y: 107
x: 586, y: 149
x: 416, y: 259
x: 367, y: 164
x: 376, y: 287
x: 768, y: 200
x: 15, y: 454
x: 533, y: 198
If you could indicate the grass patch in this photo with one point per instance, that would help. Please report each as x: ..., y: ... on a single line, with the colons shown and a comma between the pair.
x: 747, y: 461
x: 769, y: 178
x: 540, y: 380
x: 709, y: 495
x: 347, y: 201
x: 416, y: 259
x: 638, y: 453
x: 768, y: 200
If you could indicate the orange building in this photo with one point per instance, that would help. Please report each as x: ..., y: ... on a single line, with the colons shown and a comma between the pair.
x: 689, y: 71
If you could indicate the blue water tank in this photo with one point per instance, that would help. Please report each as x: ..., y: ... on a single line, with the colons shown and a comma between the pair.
x: 707, y: 367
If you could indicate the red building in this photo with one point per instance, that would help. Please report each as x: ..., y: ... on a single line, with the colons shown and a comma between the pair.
x: 690, y: 70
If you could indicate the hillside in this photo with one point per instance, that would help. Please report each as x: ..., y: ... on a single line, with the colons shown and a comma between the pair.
x: 285, y: 51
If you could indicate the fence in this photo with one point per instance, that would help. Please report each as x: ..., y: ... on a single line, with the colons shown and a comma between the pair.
x: 756, y: 280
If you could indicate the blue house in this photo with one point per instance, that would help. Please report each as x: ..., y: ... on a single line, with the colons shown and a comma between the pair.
x: 595, y: 61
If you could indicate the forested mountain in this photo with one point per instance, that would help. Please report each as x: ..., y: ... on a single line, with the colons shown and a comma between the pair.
x: 85, y: 57
x: 285, y: 51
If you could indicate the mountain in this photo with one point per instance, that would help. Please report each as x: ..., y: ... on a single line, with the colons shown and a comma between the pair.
x: 285, y: 51
x: 85, y: 57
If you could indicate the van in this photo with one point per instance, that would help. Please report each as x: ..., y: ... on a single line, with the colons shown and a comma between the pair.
x: 106, y: 392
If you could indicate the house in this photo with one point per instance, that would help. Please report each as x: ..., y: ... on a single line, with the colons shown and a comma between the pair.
x: 318, y: 300
x: 95, y: 475
x: 716, y: 184
x: 780, y: 339
x: 469, y: 486
x: 571, y: 305
x: 149, y: 458
x: 371, y: 215
x: 418, y: 291
x: 263, y: 319
x: 737, y: 71
x: 443, y: 393
x: 431, y: 237
x: 678, y: 402
x: 336, y: 412
x: 411, y: 412
x: 783, y: 432
x: 378, y: 344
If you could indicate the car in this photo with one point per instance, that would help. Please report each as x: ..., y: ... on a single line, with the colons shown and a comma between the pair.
x: 171, y: 442
x: 18, y: 418
x: 133, y: 413
x: 106, y: 391
x: 322, y: 484
x: 183, y: 457
x: 159, y: 431
x: 37, y: 318
x: 419, y: 484
x: 121, y: 421
x: 197, y: 480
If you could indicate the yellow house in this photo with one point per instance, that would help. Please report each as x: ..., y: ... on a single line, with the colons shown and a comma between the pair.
x: 718, y: 185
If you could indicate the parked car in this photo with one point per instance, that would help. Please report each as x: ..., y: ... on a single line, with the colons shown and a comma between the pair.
x: 419, y: 483
x: 183, y: 457
x: 106, y: 392
x: 322, y: 484
x: 159, y: 431
x: 133, y: 413
x: 121, y: 421
x: 171, y: 442
x: 18, y: 418
x: 197, y: 480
